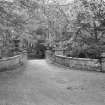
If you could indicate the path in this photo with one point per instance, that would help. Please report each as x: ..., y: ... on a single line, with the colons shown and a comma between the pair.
x: 40, y: 83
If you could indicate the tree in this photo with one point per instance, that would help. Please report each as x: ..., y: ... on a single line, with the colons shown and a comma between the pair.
x: 14, y: 17
x: 11, y: 25
x: 89, y: 34
x: 57, y: 21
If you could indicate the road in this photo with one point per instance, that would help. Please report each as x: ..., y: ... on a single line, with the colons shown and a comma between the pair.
x: 40, y: 83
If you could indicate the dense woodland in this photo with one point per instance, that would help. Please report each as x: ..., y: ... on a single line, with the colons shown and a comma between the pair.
x: 77, y: 26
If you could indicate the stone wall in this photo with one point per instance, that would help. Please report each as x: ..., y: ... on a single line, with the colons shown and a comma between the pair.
x: 12, y: 62
x: 78, y: 63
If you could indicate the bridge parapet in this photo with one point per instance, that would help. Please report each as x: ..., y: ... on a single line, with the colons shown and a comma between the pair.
x: 13, y: 62
x: 77, y: 63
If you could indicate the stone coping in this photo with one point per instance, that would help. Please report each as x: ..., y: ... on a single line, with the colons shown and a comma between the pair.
x: 85, y: 59
x: 9, y: 58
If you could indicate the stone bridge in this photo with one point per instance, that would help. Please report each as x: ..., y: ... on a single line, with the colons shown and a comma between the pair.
x: 41, y: 83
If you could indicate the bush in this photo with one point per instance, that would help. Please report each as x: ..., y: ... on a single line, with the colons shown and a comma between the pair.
x: 92, y: 52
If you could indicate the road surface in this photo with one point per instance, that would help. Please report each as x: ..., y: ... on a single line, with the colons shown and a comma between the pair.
x: 40, y: 83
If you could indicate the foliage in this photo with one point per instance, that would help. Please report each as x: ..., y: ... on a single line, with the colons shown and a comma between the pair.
x: 11, y: 25
x: 14, y: 17
x: 78, y: 26
x: 56, y: 20
x: 89, y: 28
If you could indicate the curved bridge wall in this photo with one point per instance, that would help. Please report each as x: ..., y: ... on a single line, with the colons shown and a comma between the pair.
x: 13, y: 62
x: 77, y: 63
